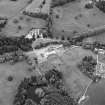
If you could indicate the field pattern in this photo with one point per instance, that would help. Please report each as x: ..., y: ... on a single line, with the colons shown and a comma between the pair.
x: 52, y: 52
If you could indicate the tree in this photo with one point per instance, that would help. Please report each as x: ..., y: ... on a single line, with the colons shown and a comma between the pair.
x: 88, y: 66
x: 38, y: 89
x: 15, y: 21
x: 89, y: 6
x: 63, y: 38
x: 19, y: 27
x: 68, y: 38
x: 101, y: 5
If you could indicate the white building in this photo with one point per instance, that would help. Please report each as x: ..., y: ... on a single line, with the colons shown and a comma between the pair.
x: 34, y: 33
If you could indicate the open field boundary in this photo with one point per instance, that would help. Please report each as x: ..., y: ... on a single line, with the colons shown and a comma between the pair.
x: 91, y: 33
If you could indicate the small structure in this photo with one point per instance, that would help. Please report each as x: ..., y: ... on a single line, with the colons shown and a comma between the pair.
x: 36, y: 33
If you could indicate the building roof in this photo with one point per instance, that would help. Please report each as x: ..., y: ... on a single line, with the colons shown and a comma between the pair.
x: 34, y: 33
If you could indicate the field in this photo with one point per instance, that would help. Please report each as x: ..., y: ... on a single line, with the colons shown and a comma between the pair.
x: 18, y: 24
x: 97, y: 94
x: 74, y: 18
x: 10, y: 9
x: 75, y: 81
x: 34, y: 7
x: 23, y: 26
x: 8, y: 88
x: 68, y: 20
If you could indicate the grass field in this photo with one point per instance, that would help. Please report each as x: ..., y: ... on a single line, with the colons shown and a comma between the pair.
x: 75, y: 81
x: 8, y: 88
x: 97, y: 94
x: 68, y: 20
x: 100, y: 38
x: 34, y: 7
x: 72, y: 18
x: 75, y: 18
x: 11, y: 8
x: 18, y: 24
